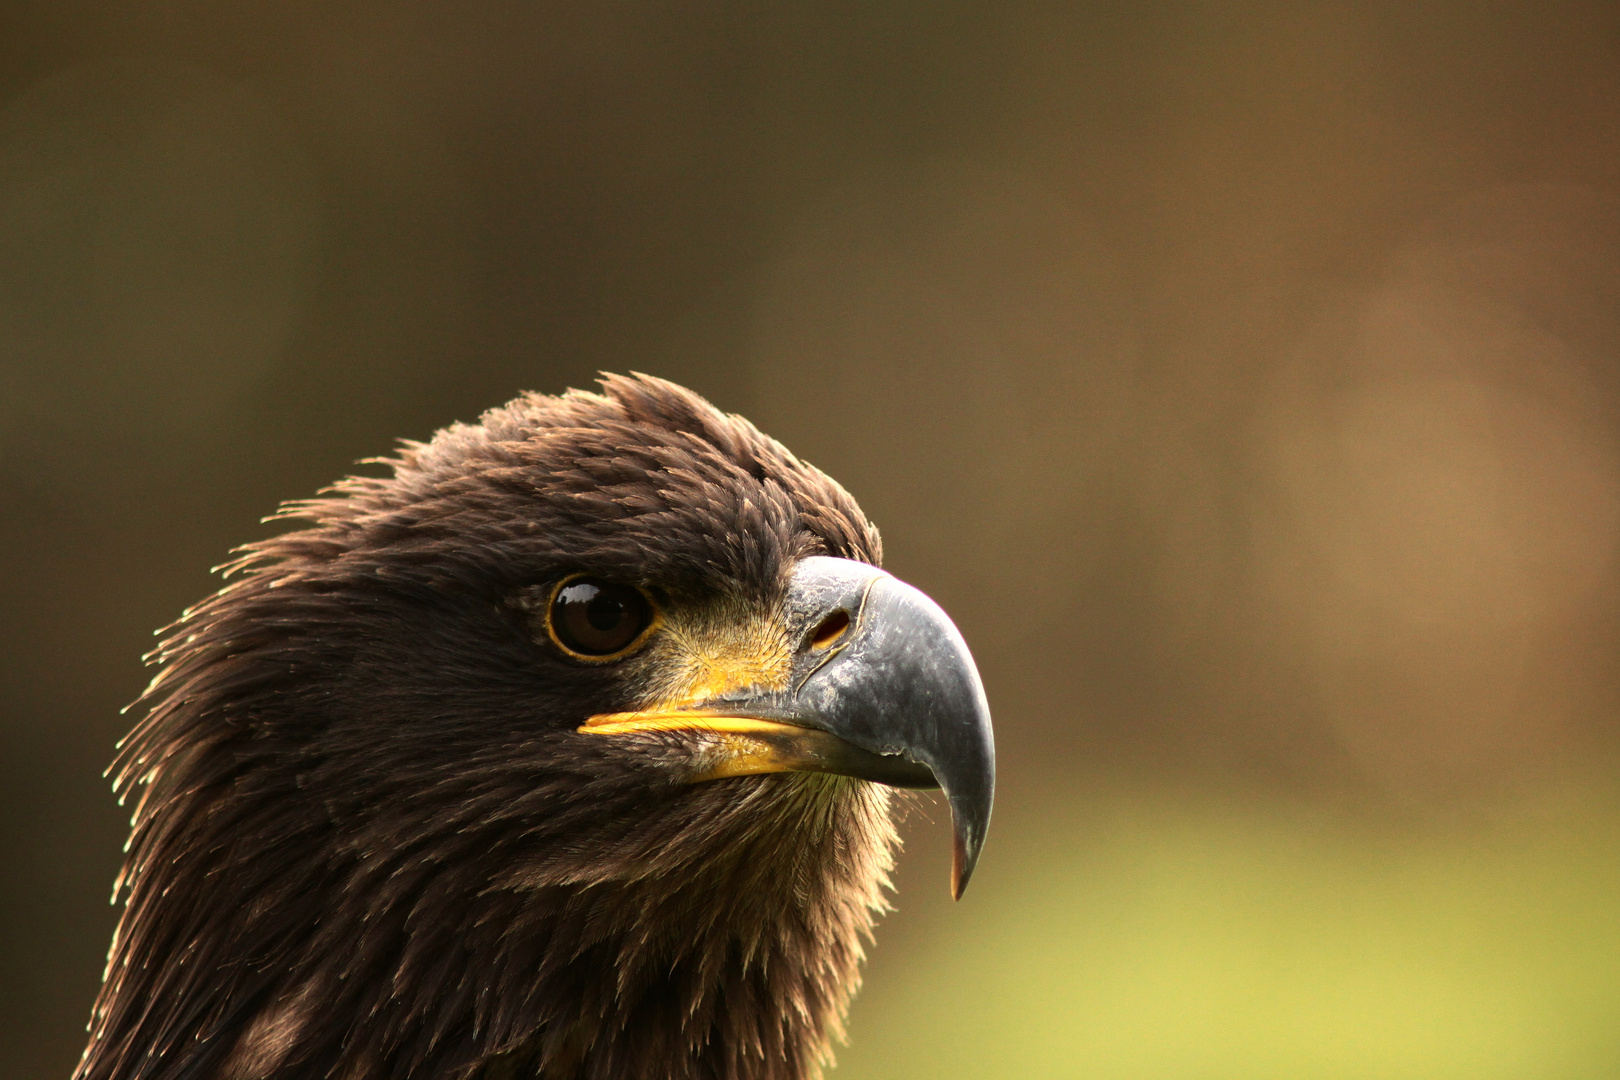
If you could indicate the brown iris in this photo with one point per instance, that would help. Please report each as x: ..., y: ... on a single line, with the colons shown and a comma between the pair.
x: 598, y: 619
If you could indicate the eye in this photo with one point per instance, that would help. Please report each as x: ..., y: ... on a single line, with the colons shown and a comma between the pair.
x: 593, y: 618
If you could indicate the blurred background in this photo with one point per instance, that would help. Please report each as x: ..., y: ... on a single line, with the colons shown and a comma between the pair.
x: 1244, y: 377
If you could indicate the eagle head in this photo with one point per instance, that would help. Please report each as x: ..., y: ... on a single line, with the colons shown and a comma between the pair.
x: 564, y: 751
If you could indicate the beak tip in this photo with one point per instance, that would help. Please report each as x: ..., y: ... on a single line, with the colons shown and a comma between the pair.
x: 961, y: 866
x: 970, y: 820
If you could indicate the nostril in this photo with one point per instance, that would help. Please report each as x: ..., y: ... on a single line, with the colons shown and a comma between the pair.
x: 829, y: 630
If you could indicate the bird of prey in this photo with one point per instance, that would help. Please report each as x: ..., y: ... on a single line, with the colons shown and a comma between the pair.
x: 564, y: 752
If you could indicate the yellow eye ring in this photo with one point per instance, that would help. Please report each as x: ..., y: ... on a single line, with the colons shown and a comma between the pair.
x: 598, y: 621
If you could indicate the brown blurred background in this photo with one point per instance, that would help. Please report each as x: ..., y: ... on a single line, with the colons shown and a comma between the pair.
x: 1244, y: 377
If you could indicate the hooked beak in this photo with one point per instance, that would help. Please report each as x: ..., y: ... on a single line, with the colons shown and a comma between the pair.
x: 882, y: 687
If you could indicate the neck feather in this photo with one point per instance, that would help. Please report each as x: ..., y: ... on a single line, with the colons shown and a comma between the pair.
x: 720, y: 937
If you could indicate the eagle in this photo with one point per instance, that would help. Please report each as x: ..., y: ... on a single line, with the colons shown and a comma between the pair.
x: 564, y: 751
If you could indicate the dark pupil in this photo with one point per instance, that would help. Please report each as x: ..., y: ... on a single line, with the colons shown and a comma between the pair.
x: 605, y: 612
x: 597, y: 617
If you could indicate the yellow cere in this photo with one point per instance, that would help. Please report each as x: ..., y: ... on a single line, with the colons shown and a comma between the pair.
x: 697, y: 657
x: 736, y: 743
x: 688, y: 720
x: 704, y: 653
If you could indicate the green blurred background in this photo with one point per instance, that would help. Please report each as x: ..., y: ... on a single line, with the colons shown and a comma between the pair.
x: 1244, y: 377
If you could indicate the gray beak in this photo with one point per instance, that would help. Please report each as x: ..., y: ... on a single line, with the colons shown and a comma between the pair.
x: 882, y: 667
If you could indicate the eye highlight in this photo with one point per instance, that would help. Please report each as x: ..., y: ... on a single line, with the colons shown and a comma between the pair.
x: 597, y: 620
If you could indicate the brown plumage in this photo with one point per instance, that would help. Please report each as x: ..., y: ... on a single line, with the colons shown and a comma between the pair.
x: 377, y: 836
